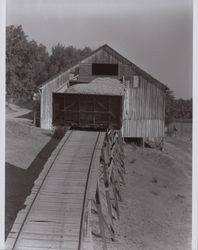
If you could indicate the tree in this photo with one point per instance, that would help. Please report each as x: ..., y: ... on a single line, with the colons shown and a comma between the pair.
x: 63, y: 58
x: 177, y: 108
x: 16, y: 42
x: 39, y: 61
x: 26, y: 64
x: 170, y: 107
x: 184, y: 109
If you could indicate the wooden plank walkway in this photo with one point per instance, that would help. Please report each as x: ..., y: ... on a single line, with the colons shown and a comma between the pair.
x: 54, y: 209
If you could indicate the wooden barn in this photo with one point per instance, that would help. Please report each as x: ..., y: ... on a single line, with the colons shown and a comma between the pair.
x: 144, y: 98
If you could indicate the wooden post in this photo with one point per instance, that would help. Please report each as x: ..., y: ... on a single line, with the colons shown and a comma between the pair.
x: 108, y: 111
x: 87, y: 240
x: 117, y: 181
x: 100, y: 217
x: 78, y: 110
x: 143, y: 143
x: 112, y: 169
x: 94, y: 115
x: 106, y: 183
x: 34, y: 121
x: 115, y: 196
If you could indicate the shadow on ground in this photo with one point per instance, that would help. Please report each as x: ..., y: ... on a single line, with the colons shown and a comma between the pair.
x: 19, y: 182
x: 29, y: 116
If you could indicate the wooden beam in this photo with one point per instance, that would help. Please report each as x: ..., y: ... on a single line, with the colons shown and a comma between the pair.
x: 100, y: 218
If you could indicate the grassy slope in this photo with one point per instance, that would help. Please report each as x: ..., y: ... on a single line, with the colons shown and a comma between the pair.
x: 27, y: 150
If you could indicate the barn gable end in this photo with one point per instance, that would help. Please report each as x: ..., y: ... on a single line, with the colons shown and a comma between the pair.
x: 144, y: 103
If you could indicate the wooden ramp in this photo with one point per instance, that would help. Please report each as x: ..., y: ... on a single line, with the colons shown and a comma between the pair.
x: 52, y: 218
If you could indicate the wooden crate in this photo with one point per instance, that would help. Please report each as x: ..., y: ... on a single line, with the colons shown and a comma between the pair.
x: 87, y: 111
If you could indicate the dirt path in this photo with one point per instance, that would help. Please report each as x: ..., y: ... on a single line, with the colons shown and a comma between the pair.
x: 13, y: 111
x: 156, y: 212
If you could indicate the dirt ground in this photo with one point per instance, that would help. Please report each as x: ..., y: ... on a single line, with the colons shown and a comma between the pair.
x: 156, y: 207
x: 156, y: 211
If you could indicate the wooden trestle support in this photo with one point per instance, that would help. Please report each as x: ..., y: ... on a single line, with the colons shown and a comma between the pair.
x: 105, y: 202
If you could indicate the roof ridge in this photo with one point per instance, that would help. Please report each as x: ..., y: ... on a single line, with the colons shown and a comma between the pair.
x: 137, y: 68
x: 106, y: 47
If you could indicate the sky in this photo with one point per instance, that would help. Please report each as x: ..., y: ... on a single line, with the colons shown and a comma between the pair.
x: 156, y: 35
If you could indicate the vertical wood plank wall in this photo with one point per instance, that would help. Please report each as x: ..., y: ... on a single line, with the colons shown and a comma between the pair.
x: 46, y: 98
x: 146, y: 115
x: 146, y: 103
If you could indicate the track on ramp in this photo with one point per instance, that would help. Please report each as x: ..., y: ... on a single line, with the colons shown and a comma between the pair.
x: 54, y: 211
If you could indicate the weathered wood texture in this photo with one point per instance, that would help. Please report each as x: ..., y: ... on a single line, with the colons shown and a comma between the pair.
x: 108, y: 189
x: 53, y: 85
x: 146, y: 114
x: 146, y: 104
x: 54, y: 208
x: 87, y: 111
x: 85, y: 70
x: 104, y: 56
x: 46, y: 98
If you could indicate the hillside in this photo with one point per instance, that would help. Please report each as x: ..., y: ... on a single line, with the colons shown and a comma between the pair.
x: 27, y: 150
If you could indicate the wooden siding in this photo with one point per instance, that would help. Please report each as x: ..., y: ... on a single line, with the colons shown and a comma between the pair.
x: 146, y: 111
x: 85, y: 70
x: 87, y: 111
x: 146, y: 104
x: 46, y: 98
x: 102, y: 56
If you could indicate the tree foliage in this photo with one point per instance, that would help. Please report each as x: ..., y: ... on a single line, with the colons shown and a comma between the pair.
x: 63, y: 58
x: 177, y: 108
x: 28, y: 64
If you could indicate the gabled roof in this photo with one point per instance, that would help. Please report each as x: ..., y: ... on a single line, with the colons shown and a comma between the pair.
x: 135, y: 68
x: 122, y: 59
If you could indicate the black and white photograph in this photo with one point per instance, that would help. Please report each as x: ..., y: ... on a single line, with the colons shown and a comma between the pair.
x: 98, y: 124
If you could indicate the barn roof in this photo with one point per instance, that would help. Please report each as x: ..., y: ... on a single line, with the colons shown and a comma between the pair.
x: 137, y: 69
x: 98, y: 86
x: 122, y: 59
